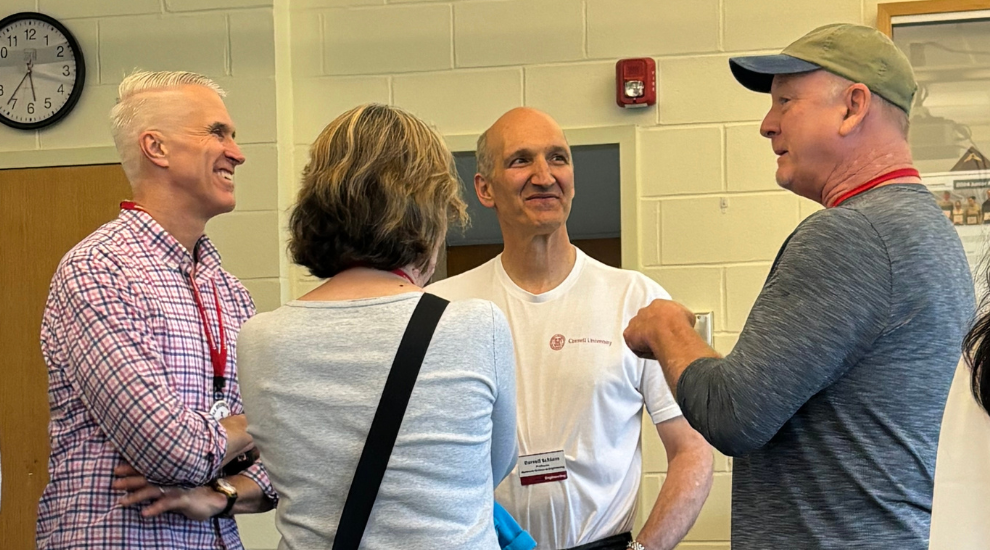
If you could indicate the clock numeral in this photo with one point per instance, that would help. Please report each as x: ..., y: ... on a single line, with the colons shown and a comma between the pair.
x: 65, y: 70
x: 1, y: 90
x: 61, y: 89
x: 12, y: 100
x: 48, y: 103
x: 30, y: 108
x: 59, y: 50
x: 30, y: 33
x: 11, y: 40
x: 46, y: 39
x: 3, y: 52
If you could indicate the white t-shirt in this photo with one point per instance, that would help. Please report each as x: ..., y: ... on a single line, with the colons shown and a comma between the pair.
x: 580, y: 390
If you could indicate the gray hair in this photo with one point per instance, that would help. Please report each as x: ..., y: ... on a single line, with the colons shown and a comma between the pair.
x: 127, y: 118
x: 888, y: 110
x: 483, y: 154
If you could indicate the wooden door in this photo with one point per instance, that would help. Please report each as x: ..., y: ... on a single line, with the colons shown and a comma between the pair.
x: 43, y: 213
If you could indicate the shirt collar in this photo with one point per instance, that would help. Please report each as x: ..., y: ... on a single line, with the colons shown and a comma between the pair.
x: 162, y: 244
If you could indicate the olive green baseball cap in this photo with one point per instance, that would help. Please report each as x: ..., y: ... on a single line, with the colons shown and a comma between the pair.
x: 854, y: 52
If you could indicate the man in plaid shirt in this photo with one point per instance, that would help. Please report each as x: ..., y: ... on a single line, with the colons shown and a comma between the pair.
x: 139, y: 333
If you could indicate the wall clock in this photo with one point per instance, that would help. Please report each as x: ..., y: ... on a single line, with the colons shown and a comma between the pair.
x: 41, y: 71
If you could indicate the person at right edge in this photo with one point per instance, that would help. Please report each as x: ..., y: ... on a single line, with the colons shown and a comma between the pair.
x: 831, y: 399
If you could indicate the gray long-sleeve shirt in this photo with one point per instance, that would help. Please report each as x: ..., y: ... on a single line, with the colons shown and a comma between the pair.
x: 833, y: 396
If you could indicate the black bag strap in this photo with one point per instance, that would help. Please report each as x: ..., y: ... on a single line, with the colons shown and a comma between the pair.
x: 388, y: 418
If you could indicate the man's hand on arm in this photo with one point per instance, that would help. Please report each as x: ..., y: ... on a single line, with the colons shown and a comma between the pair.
x: 688, y: 481
x: 197, y: 503
x: 666, y: 329
x: 238, y: 439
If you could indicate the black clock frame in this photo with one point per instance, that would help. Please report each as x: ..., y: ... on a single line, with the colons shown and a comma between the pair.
x: 80, y: 79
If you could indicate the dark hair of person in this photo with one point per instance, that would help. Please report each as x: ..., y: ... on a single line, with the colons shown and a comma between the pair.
x: 976, y: 350
x: 379, y: 191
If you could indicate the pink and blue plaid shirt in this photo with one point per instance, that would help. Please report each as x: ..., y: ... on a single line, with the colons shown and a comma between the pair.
x: 130, y: 381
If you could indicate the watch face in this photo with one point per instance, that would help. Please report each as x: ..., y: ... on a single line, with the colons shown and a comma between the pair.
x: 41, y: 71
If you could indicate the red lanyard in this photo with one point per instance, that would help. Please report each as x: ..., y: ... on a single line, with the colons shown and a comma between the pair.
x: 902, y: 173
x: 403, y: 274
x: 218, y: 354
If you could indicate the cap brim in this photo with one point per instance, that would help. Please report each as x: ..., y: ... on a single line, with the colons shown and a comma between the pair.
x: 756, y: 72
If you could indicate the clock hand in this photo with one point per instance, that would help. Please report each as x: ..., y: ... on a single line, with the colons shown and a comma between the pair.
x: 17, y: 88
x: 31, y: 79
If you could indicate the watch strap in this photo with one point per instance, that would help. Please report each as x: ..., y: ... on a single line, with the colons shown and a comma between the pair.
x: 231, y: 495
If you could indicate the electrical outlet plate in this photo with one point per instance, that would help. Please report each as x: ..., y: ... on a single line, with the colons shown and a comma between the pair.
x: 703, y: 323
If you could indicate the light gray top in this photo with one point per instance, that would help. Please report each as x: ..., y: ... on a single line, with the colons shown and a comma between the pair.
x: 833, y: 397
x: 311, y: 375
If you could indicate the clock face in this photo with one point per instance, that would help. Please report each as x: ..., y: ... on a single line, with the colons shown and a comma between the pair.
x: 41, y: 71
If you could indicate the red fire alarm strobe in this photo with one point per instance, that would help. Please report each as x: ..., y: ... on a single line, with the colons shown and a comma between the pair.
x: 636, y: 82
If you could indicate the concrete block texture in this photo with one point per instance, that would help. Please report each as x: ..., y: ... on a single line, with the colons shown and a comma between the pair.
x: 581, y: 95
x: 742, y: 285
x: 251, y: 104
x: 256, y: 181
x: 266, y: 294
x: 88, y: 125
x: 317, y: 101
x: 306, y: 32
x: 460, y: 102
x: 196, y: 42
x: 640, y: 28
x: 698, y: 288
x: 725, y: 229
x: 311, y: 4
x: 702, y: 89
x: 69, y: 9
x: 518, y: 32
x: 750, y: 163
x: 649, y: 233
x: 742, y: 17
x: 248, y: 243
x: 205, y: 5
x: 393, y: 39
x: 676, y: 161
x: 252, y: 43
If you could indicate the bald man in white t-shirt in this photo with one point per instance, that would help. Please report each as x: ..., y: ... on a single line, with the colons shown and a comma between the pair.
x: 581, y: 391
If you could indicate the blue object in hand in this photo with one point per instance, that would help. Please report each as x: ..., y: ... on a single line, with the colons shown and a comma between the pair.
x: 510, y: 535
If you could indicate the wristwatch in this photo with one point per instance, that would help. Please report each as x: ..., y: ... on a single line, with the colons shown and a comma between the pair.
x: 635, y: 545
x: 224, y: 487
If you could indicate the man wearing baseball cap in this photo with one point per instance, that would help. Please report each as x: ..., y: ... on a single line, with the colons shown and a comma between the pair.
x: 831, y: 399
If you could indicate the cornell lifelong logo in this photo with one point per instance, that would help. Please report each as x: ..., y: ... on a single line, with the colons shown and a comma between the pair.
x: 557, y: 342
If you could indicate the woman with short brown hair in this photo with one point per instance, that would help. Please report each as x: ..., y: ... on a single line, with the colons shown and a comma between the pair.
x: 377, y: 196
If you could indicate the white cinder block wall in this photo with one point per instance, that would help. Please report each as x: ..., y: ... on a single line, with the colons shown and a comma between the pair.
x: 711, y: 217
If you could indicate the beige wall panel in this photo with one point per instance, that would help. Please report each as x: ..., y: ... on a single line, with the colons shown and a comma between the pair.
x: 870, y: 10
x: 639, y: 28
x: 16, y: 6
x: 698, y: 288
x: 256, y: 181
x: 713, y: 523
x: 460, y: 102
x: 252, y: 48
x: 258, y: 531
x: 746, y: 25
x: 680, y: 161
x: 742, y: 285
x: 703, y: 546
x: 725, y: 341
x: 251, y: 104
x: 306, y: 35
x: 309, y: 4
x: 393, y: 39
x: 702, y: 89
x: 750, y: 163
x: 195, y: 43
x: 649, y: 234
x: 319, y: 100
x: 248, y: 243
x: 581, y: 95
x: 17, y: 140
x: 203, y: 5
x: 67, y: 9
x: 266, y: 294
x: 808, y: 207
x: 88, y: 125
x: 751, y: 228
x: 488, y: 34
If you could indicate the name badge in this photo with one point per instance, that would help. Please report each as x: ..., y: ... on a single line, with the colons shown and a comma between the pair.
x: 542, y: 468
x: 220, y: 410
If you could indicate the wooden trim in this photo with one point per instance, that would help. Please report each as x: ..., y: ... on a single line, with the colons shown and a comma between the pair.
x: 886, y: 12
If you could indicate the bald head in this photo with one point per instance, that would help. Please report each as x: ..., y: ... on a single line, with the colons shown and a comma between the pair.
x: 491, y: 144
